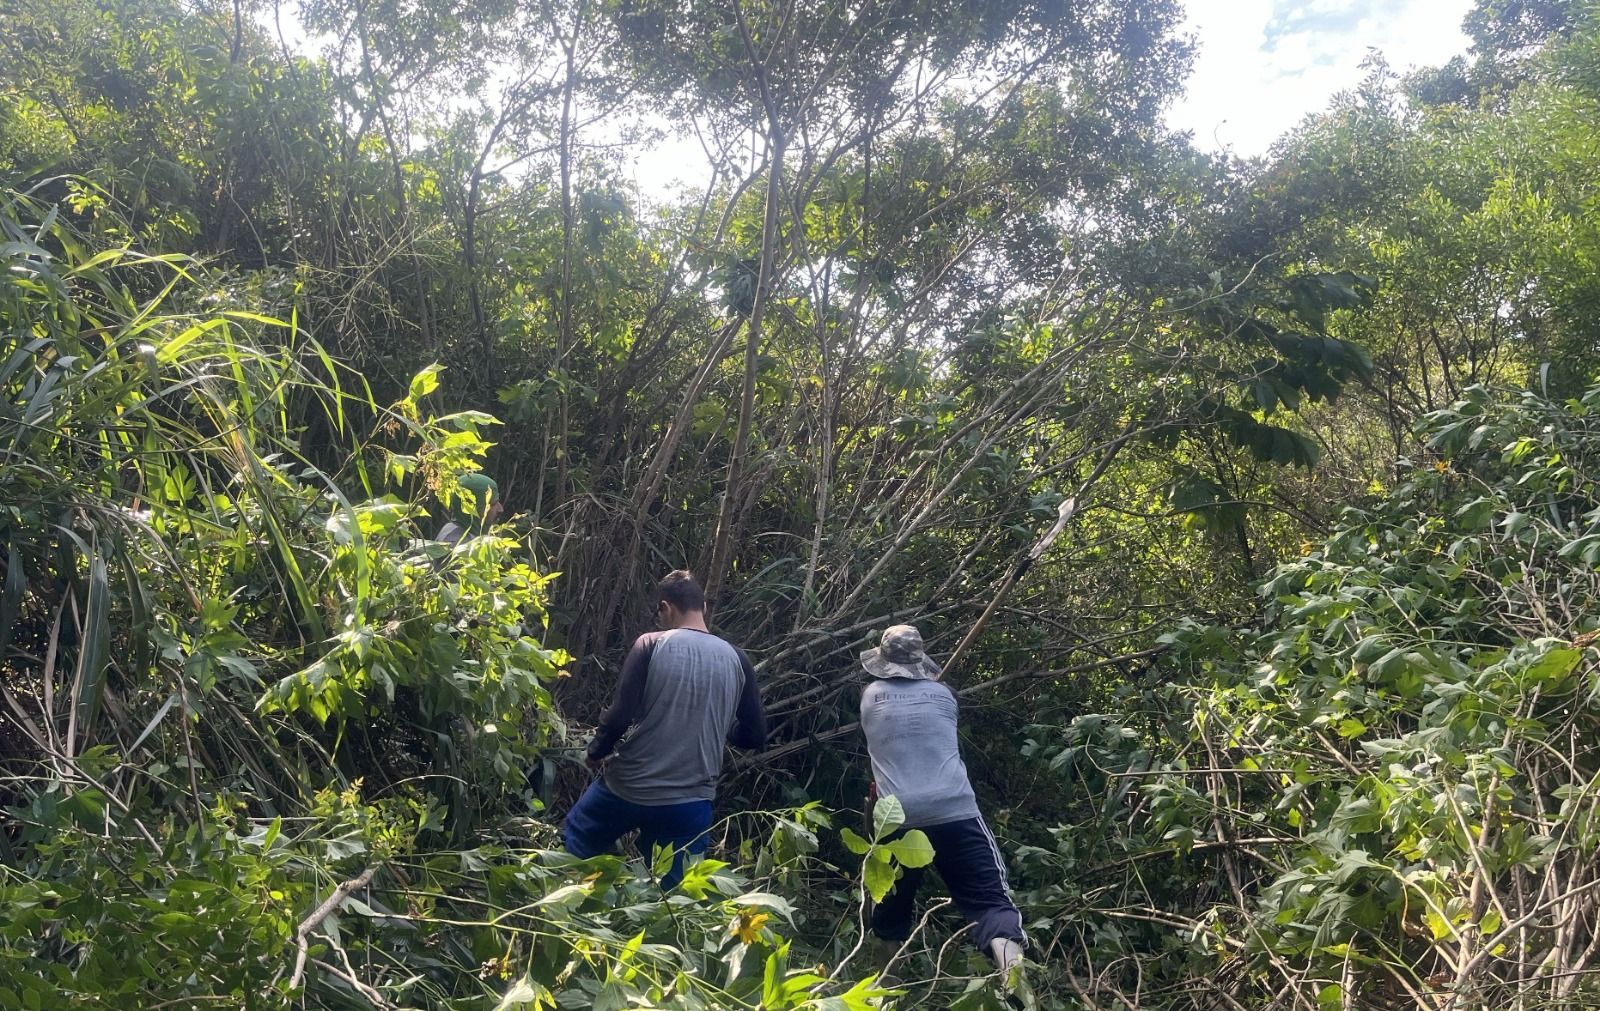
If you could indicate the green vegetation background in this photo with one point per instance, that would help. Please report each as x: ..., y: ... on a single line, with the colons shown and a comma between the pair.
x: 1299, y: 712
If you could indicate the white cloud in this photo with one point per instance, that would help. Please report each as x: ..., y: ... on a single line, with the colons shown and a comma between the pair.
x: 1263, y: 65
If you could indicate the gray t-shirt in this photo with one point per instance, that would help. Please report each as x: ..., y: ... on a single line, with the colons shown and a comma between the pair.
x: 911, y: 737
x: 684, y: 692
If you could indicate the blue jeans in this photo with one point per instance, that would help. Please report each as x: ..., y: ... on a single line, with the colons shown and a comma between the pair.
x: 600, y: 818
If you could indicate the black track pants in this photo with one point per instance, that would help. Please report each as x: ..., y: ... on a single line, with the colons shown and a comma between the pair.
x: 967, y: 858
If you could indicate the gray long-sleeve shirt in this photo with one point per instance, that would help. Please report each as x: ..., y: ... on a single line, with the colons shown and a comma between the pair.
x: 911, y: 737
x: 684, y: 692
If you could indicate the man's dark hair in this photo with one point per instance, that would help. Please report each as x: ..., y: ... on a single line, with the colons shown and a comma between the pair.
x: 679, y: 589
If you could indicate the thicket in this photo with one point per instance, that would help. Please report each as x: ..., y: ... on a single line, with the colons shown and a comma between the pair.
x: 1296, y: 713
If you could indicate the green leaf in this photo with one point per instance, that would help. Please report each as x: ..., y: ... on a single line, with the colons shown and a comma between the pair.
x: 94, y: 653
x: 768, y: 901
x: 1359, y: 814
x: 1475, y: 515
x: 700, y: 879
x: 630, y: 950
x: 854, y: 843
x: 777, y: 967
x: 138, y: 630
x: 612, y: 997
x: 155, y: 720
x: 526, y: 995
x: 1438, y: 926
x: 568, y: 896
x: 1555, y: 664
x: 861, y: 997
x: 425, y: 382
x: 912, y: 849
x: 887, y: 815
x: 1514, y: 523
x: 170, y: 350
x: 1330, y: 997
x: 254, y: 317
x: 879, y: 875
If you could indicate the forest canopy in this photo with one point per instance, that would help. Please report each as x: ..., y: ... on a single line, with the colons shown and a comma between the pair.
x: 1296, y: 711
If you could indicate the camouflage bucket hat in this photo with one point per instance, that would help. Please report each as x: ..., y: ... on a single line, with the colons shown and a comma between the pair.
x: 900, y: 655
x: 475, y: 493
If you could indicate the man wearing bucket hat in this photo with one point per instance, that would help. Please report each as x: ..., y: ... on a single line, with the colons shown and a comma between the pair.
x: 909, y: 718
x: 477, y: 506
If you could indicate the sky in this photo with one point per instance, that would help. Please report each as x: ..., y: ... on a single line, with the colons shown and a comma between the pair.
x: 1263, y: 65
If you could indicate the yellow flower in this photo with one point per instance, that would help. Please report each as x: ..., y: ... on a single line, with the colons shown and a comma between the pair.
x: 747, y: 926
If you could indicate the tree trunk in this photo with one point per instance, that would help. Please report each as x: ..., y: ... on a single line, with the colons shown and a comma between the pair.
x: 727, y: 511
x: 402, y: 203
x: 564, y: 337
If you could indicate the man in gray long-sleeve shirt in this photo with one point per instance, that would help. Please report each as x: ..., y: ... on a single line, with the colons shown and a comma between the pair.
x: 909, y: 719
x: 683, y: 691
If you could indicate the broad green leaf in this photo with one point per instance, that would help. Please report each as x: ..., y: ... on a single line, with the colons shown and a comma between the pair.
x: 887, y: 815
x: 567, y: 896
x: 775, y: 969
x: 912, y: 849
x: 613, y: 996
x: 526, y: 995
x: 879, y: 875
x: 425, y: 382
x: 1438, y: 926
x: 766, y: 900
x: 1555, y: 664
x: 860, y: 997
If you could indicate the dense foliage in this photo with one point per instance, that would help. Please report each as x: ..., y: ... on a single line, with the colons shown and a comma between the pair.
x: 1386, y: 789
x: 1296, y: 712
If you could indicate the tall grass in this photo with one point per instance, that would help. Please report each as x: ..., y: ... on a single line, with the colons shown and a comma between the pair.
x: 138, y: 423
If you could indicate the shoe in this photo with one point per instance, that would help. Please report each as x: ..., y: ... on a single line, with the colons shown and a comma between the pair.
x: 1007, y: 955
